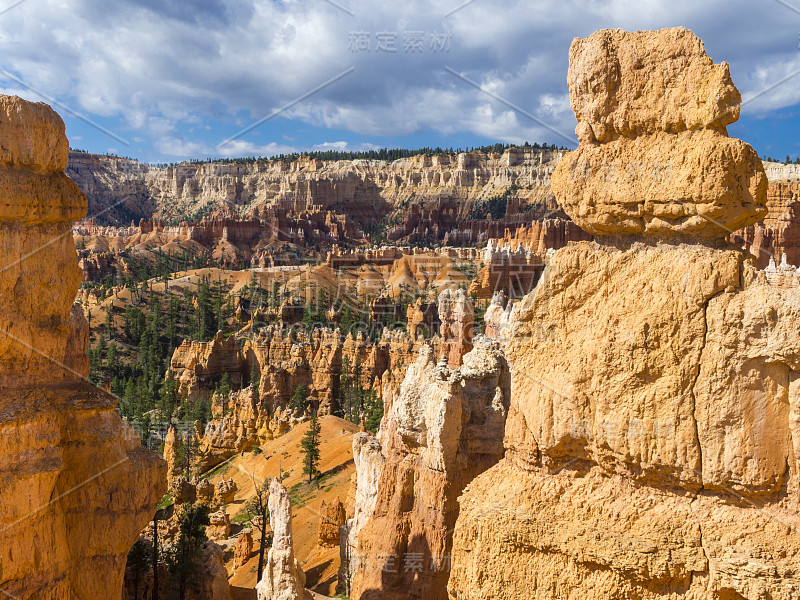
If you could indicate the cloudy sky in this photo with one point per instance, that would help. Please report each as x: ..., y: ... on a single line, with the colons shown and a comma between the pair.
x: 167, y: 80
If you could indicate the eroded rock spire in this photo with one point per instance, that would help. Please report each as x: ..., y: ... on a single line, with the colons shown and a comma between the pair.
x: 77, y: 487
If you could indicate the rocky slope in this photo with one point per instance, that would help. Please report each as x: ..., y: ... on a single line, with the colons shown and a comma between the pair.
x: 77, y: 486
x: 650, y: 448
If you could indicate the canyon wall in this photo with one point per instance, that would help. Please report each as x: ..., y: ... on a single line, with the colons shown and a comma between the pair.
x: 443, y: 428
x: 77, y: 487
x: 778, y: 235
x: 651, y: 443
x: 284, y: 360
x: 364, y: 189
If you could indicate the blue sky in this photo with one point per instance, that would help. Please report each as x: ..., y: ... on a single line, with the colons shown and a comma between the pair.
x: 167, y: 80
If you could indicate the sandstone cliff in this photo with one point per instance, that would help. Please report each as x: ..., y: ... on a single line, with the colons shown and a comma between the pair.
x: 651, y: 440
x: 444, y: 428
x: 367, y: 190
x: 77, y: 485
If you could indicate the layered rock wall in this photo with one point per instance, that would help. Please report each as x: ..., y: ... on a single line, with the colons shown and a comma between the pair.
x: 445, y: 427
x: 77, y: 485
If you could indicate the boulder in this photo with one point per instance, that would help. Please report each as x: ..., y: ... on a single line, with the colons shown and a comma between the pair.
x: 652, y: 109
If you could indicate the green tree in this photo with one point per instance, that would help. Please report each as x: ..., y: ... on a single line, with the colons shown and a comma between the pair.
x: 138, y: 563
x: 255, y: 377
x: 373, y: 412
x: 299, y: 400
x: 224, y: 390
x: 145, y: 431
x: 184, y: 560
x: 204, y: 314
x: 199, y: 411
x: 113, y: 365
x: 168, y: 394
x: 224, y: 386
x: 309, y: 447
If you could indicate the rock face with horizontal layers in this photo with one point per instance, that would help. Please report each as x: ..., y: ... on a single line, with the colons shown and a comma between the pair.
x: 445, y: 427
x: 283, y: 577
x: 457, y: 317
x: 77, y: 487
x: 652, y: 112
x: 651, y: 443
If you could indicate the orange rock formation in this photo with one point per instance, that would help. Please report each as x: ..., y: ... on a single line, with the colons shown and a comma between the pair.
x: 651, y: 443
x: 77, y: 487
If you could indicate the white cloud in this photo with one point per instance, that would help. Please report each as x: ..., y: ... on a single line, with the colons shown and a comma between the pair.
x: 158, y: 66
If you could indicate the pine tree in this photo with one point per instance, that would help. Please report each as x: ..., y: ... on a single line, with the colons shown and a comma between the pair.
x: 168, y: 395
x: 299, y: 400
x: 113, y: 365
x: 184, y: 561
x: 205, y: 317
x: 309, y: 447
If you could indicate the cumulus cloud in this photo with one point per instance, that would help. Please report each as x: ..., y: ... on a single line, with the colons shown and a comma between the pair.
x: 167, y: 71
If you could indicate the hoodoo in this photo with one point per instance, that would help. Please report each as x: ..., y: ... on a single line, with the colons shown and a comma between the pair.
x: 77, y: 487
x: 652, y: 439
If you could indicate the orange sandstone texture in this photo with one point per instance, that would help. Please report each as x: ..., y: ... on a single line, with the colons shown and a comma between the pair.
x: 651, y: 443
x: 76, y: 485
x: 444, y: 428
x: 652, y: 110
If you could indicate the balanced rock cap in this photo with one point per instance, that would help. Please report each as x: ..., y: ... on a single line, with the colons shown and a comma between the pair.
x: 33, y: 156
x: 655, y: 158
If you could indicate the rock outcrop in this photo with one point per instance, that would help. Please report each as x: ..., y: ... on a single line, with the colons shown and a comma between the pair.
x: 650, y: 443
x: 652, y: 111
x: 457, y: 317
x: 211, y: 580
x: 219, y: 526
x: 283, y: 578
x: 77, y: 487
x: 369, y: 461
x: 244, y: 549
x: 199, y: 366
x: 443, y: 429
x: 331, y: 518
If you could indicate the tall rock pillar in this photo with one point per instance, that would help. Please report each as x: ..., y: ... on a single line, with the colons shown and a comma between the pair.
x: 651, y: 443
x: 77, y: 487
